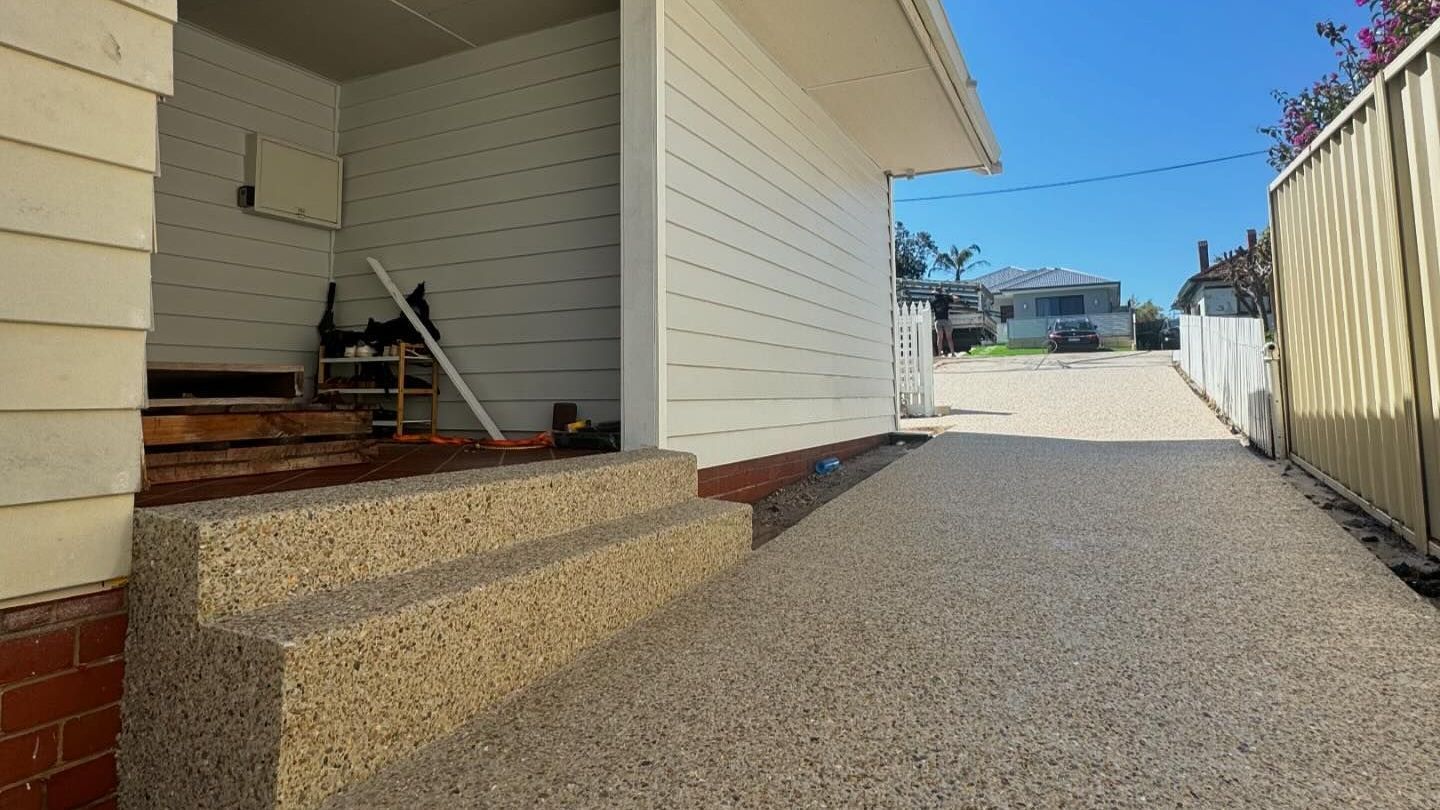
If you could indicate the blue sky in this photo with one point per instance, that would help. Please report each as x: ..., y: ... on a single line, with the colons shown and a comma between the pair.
x: 1102, y: 86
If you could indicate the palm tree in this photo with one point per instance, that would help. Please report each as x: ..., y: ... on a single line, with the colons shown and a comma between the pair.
x: 958, y: 260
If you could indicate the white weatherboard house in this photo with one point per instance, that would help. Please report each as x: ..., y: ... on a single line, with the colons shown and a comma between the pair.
x: 672, y: 212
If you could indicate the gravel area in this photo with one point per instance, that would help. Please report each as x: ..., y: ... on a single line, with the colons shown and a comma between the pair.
x: 1104, y: 602
x: 787, y: 506
x: 1420, y: 572
x: 1100, y: 396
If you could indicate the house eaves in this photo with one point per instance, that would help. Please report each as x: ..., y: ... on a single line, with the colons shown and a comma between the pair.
x: 963, y: 89
x: 1216, y: 276
x: 889, y: 72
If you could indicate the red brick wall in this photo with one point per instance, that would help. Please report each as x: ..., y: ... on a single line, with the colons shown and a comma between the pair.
x: 749, y: 481
x: 61, y: 666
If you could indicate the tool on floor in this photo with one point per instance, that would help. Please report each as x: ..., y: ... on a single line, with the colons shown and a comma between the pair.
x: 586, y: 435
x: 562, y: 414
x: 497, y: 439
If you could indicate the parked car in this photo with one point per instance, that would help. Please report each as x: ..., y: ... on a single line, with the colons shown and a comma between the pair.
x: 1170, y: 335
x: 1074, y: 334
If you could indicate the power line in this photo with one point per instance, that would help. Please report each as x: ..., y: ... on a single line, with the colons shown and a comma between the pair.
x: 1083, y: 180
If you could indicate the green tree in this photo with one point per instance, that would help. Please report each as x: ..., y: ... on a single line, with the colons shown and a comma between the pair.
x: 1393, y: 25
x: 1251, y: 272
x: 1148, y: 311
x: 957, y: 260
x: 914, y: 252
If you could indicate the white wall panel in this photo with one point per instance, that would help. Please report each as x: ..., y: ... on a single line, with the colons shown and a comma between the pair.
x: 493, y: 176
x: 225, y: 279
x: 779, y: 329
x: 78, y: 79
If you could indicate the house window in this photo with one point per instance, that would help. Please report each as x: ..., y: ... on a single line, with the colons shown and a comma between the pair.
x: 1060, y: 305
x: 1007, y: 312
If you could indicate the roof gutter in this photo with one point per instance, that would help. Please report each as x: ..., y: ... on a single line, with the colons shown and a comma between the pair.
x: 932, y: 28
x: 1184, y: 297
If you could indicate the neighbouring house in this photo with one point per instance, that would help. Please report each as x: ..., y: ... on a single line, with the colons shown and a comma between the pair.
x: 673, y: 213
x: 1211, y: 291
x: 1028, y: 301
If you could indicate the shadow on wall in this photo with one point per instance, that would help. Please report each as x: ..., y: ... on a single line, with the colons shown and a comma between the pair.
x: 1370, y: 453
x: 1262, y: 422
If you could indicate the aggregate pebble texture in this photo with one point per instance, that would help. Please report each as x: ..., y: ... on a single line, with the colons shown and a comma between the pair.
x: 1143, y: 614
x: 264, y: 549
x: 281, y: 705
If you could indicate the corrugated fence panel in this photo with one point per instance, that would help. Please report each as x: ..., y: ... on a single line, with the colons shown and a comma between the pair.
x: 1357, y: 271
x: 1415, y: 116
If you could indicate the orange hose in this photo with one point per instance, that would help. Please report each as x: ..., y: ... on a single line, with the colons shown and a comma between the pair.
x: 421, y: 438
x: 537, y: 442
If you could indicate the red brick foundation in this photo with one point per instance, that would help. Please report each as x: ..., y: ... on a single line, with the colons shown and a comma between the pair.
x: 61, y: 668
x: 749, y: 481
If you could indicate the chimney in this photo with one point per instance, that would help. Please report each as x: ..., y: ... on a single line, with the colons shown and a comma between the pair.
x: 1204, y: 255
x: 1250, y: 239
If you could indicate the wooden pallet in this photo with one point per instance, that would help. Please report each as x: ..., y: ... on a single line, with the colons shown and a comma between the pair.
x: 207, y: 428
x: 202, y: 442
x: 201, y: 465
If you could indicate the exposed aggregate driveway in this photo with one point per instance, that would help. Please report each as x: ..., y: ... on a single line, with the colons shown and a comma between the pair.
x: 1086, y: 595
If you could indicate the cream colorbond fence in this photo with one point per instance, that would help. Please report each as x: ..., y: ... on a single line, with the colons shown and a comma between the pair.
x: 1357, y: 239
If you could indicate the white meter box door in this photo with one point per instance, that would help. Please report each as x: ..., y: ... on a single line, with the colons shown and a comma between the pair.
x: 291, y: 182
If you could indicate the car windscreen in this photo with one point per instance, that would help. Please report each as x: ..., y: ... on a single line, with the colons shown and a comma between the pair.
x: 1074, y: 326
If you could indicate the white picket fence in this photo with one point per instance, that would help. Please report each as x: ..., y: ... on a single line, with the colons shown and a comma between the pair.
x: 1225, y: 358
x: 915, y: 358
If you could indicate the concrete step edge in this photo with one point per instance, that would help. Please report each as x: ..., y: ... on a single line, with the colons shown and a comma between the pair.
x: 281, y: 716
x: 323, y: 614
x: 246, y: 553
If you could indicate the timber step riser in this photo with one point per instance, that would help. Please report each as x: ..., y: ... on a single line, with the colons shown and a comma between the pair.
x: 199, y: 465
x: 207, y: 442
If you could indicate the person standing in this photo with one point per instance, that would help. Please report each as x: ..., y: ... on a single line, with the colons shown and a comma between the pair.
x: 945, y: 335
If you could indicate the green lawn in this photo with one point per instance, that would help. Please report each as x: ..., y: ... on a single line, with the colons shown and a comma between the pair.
x: 1001, y: 350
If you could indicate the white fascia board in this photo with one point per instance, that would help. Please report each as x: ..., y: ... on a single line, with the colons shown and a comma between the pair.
x: 938, y: 41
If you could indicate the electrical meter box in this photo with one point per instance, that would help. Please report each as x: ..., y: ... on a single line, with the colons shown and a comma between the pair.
x: 286, y: 181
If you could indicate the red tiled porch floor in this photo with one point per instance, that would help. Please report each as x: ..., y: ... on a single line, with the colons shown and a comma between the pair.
x: 394, y: 461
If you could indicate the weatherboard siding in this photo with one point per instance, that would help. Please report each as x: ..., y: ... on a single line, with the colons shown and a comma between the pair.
x: 777, y: 276
x: 230, y: 286
x: 77, y: 160
x: 492, y: 175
